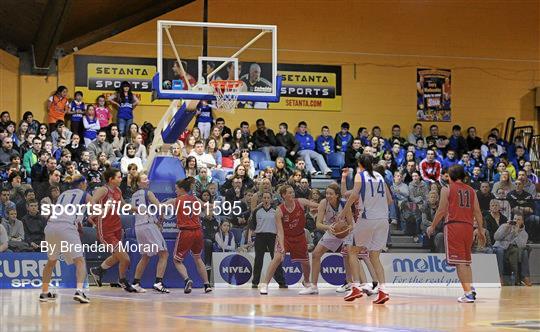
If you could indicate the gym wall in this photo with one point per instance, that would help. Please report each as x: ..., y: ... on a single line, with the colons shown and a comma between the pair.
x: 492, y: 47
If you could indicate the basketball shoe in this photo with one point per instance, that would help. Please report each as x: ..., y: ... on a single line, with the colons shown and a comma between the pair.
x: 353, y: 294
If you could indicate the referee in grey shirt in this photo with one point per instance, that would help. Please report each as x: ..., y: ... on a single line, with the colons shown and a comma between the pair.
x: 263, y: 222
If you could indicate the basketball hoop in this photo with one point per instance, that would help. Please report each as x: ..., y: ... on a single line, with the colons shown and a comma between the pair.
x: 226, y: 92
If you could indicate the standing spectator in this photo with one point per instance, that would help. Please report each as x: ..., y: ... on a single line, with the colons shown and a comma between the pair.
x: 307, y: 151
x: 473, y: 141
x: 415, y: 134
x: 325, y: 142
x: 34, y: 225
x: 126, y: 102
x: 57, y: 105
x: 263, y: 223
x: 265, y: 141
x: 205, y: 118
x: 77, y: 111
x: 103, y: 112
x: 287, y: 140
x: 101, y: 145
x: 209, y: 225
x: 430, y: 168
x: 91, y: 125
x: 344, y: 138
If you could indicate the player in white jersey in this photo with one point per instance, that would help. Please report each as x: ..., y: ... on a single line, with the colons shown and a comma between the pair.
x: 328, y: 211
x: 64, y: 229
x: 148, y: 232
x: 370, y: 230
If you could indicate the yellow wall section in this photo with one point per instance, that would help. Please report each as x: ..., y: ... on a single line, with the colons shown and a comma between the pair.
x: 492, y: 47
x: 9, y: 83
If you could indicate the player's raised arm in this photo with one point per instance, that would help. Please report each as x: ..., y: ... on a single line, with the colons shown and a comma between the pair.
x: 306, y: 202
x: 442, y: 211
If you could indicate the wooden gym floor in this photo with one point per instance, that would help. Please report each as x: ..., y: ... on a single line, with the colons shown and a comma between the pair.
x: 410, y: 309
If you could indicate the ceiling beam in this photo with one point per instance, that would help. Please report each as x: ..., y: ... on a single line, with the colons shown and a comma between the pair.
x: 121, y: 25
x: 49, y: 31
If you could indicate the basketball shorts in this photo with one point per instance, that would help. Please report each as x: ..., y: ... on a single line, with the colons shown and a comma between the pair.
x: 296, y: 246
x: 150, y: 236
x: 331, y: 242
x: 371, y: 233
x: 63, y: 238
x: 110, y: 235
x: 188, y: 240
x: 458, y: 239
x: 349, y: 241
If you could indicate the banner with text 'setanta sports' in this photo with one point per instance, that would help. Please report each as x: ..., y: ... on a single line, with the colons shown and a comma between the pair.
x: 305, y: 87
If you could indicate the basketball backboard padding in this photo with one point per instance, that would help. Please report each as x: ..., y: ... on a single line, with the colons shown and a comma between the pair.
x: 185, y: 94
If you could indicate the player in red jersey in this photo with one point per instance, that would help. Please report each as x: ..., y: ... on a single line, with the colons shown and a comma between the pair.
x: 109, y: 227
x: 459, y: 205
x: 291, y: 238
x: 190, y: 236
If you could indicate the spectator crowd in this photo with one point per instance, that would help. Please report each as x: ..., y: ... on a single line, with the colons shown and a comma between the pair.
x: 247, y: 165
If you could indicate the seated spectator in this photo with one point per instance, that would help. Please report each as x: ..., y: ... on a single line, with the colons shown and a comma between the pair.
x: 479, y: 247
x: 215, y: 133
x: 265, y: 141
x: 61, y: 131
x: 344, y: 138
x: 213, y: 150
x: 116, y: 140
x: 476, y: 158
x: 227, y: 156
x: 505, y: 183
x: 302, y: 190
x: 15, y: 230
x: 281, y: 173
x: 30, y: 158
x: 492, y: 141
x: 527, y: 167
x: 450, y: 159
x: 473, y: 141
x: 476, y: 178
x: 5, y: 203
x: 17, y: 187
x: 466, y: 162
x: 3, y: 239
x: 396, y: 136
x: 420, y: 151
x: 100, y: 145
x: 203, y: 158
x: 246, y: 135
x: 494, y: 219
x: 130, y: 158
x: 239, y: 172
x: 84, y: 164
x: 94, y: 176
x: 408, y: 171
x: 288, y: 141
x: 398, y: 153
x: 509, y: 167
x: 511, y: 239
x: 363, y: 135
x: 140, y: 148
x: 325, y: 143
x: 236, y: 192
x: 415, y: 134
x: 34, y: 225
x: 457, y: 142
x: 484, y: 196
x: 29, y: 195
x: 224, y: 239
x: 430, y: 169
x: 520, y: 156
x: 435, y: 140
x: 243, y: 159
x: 389, y: 162
x: 307, y: 151
x: 190, y: 167
x: 76, y: 148
x: 400, y: 193
x: 189, y: 145
x: 489, y: 170
x: 528, y: 186
x: 202, y: 180
x: 71, y: 170
x: 129, y: 184
x: 7, y: 151
x: 225, y: 131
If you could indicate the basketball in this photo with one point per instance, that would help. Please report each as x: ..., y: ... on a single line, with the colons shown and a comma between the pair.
x: 341, y: 229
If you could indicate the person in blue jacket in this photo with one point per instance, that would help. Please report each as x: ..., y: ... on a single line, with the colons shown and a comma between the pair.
x: 344, y: 138
x: 307, y: 151
x: 325, y: 142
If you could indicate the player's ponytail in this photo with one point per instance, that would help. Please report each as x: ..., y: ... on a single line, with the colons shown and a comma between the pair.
x: 366, y: 161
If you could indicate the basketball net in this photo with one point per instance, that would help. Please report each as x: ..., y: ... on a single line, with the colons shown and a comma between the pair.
x: 226, y: 92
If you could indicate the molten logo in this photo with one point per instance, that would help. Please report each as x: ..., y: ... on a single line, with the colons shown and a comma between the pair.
x: 422, y: 265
